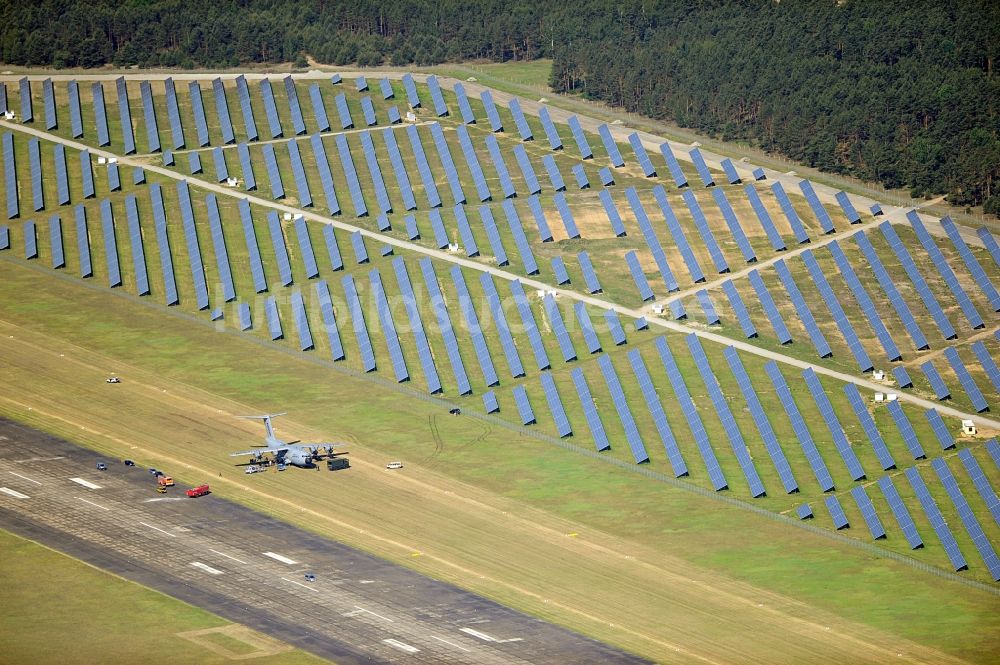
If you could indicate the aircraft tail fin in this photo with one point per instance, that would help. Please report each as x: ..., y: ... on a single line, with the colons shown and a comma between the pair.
x: 267, y: 421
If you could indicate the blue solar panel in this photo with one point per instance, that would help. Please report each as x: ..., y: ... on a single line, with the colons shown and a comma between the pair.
x: 246, y: 106
x: 503, y: 329
x: 273, y: 319
x: 253, y: 248
x: 358, y: 324
x: 677, y: 310
x: 358, y: 244
x: 506, y: 184
x: 473, y: 327
x: 581, y: 176
x: 987, y: 363
x: 993, y: 448
x: 767, y: 434
x: 114, y: 182
x: 417, y: 325
x: 490, y: 403
x: 969, y: 520
x: 906, y: 430
x: 27, y: 114
x: 587, y: 328
x: 865, y: 301
x: 423, y: 168
x: 168, y: 158
x: 530, y: 326
x: 836, y: 513
x: 558, y: 327
x: 319, y: 108
x: 411, y: 91
x: 589, y: 275
x: 243, y: 312
x: 611, y: 146
x: 463, y: 105
x: 399, y: 170
x: 559, y: 270
x: 482, y: 190
x: 641, y: 156
x: 708, y: 308
x: 734, y: 225
x: 900, y: 512
x: 849, y: 211
x: 198, y: 108
x: 930, y: 302
x: 581, y: 140
x: 981, y: 483
x: 5, y: 239
x: 173, y: 114
x: 301, y: 321
x: 990, y: 243
x: 701, y: 167
x: 493, y: 235
x: 62, y: 178
x: 790, y: 214
x: 385, y: 87
x: 736, y: 441
x: 273, y: 174
x: 902, y: 377
x: 100, y: 115
x: 56, y: 243
x: 971, y: 264
x: 221, y: 170
x: 764, y: 217
x: 817, y: 206
x: 394, y: 117
x: 641, y: 283
x: 968, y: 383
x: 75, y: 111
x: 440, y: 108
x: 555, y: 142
x: 804, y: 512
x: 444, y: 154
x: 895, y: 299
x: 694, y: 421
x: 674, y: 226
x: 138, y: 254
x: 523, y: 406
x: 837, y: 312
x: 520, y: 239
x: 833, y: 424
x: 362, y: 83
x: 730, y: 170
x: 739, y: 309
x: 299, y: 173
x: 615, y: 327
x: 82, y: 242
x: 437, y: 226
x: 445, y: 325
x: 388, y: 328
x: 332, y: 248
x: 672, y: 165
x: 812, y: 454
x: 222, y: 111
x: 465, y: 232
x: 225, y: 272
x: 655, y: 406
x: 246, y: 164
x: 353, y: 184
x: 590, y: 410
x: 293, y: 105
x: 149, y: 115
x: 329, y: 320
x: 563, y: 427
x: 191, y: 238
x: 802, y: 308
x: 10, y: 176
x: 325, y: 175
x: 566, y: 215
x: 368, y: 111
x: 491, y: 111
x: 35, y: 166
x: 346, y: 121
x: 652, y: 241
x: 530, y: 179
x: 718, y: 260
x: 767, y: 302
x: 30, y: 241
x: 937, y: 384
x: 868, y: 512
x: 306, y: 248
x: 138, y: 176
x: 868, y: 425
x: 632, y: 435
x: 944, y: 270
x: 611, y: 210
x: 270, y: 109
x: 163, y: 247
x: 110, y: 244
x: 940, y: 430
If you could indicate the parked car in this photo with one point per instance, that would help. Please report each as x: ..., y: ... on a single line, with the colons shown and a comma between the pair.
x: 394, y: 465
x: 101, y: 466
x: 129, y: 462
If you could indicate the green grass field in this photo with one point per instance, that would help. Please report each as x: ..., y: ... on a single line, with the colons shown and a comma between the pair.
x: 57, y: 609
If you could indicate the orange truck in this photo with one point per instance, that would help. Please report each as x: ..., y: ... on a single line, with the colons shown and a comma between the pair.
x: 165, y: 481
x: 200, y: 490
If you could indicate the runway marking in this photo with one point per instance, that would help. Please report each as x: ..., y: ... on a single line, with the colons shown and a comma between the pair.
x: 358, y: 610
x: 488, y: 638
x: 156, y: 528
x: 282, y: 559
x: 207, y: 569
x: 39, y: 459
x: 164, y: 498
x: 441, y: 639
x: 86, y: 483
x: 301, y: 584
x: 14, y: 493
x: 30, y: 480
x: 96, y: 505
x: 227, y: 556
x: 402, y: 646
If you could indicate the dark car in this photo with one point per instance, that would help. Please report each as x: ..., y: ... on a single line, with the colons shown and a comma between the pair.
x: 129, y: 462
x: 455, y: 412
x: 310, y: 577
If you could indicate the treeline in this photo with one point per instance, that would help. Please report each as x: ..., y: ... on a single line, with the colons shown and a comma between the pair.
x: 903, y: 93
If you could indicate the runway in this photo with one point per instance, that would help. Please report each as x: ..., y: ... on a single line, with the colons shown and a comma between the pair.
x: 250, y: 569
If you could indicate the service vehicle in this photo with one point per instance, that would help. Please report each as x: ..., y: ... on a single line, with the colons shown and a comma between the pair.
x: 114, y: 379
x: 253, y: 468
x: 394, y: 465
x: 129, y: 462
x: 165, y: 481
x: 101, y: 466
x: 200, y: 490
x: 337, y: 463
x: 161, y: 489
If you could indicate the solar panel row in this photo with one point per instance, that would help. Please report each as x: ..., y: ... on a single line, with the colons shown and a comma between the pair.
x: 802, y: 433
x: 969, y: 520
x: 83, y: 242
x: 353, y: 184
x: 193, y: 246
x: 163, y: 246
x: 298, y: 124
x: 701, y: 167
x: 149, y: 115
x: 930, y: 302
x: 246, y: 107
x: 802, y: 309
x: 677, y: 233
x: 653, y: 403
x: 399, y: 170
x: 325, y: 175
x: 520, y: 239
x: 299, y: 174
x: 473, y: 327
x: 423, y: 168
x: 222, y: 112
x: 764, y: 217
x: 491, y: 111
x: 198, y: 108
x: 652, y: 241
x: 445, y: 326
x: 865, y: 363
x: 173, y: 114
x: 56, y: 243
x: 270, y: 109
x: 306, y: 248
x: 416, y: 323
x: 110, y: 244
x: 900, y: 512
x: 867, y: 509
x: 503, y: 329
x: 581, y: 140
x: 614, y: 385
x: 358, y: 324
x: 833, y: 425
x: 444, y: 154
x: 329, y: 320
x: 482, y: 189
x: 868, y: 425
x: 100, y: 115
x: 253, y: 248
x: 138, y: 254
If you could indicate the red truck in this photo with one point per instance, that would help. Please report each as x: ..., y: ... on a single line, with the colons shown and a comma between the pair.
x: 200, y: 490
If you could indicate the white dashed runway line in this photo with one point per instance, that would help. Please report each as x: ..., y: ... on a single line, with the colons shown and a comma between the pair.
x: 488, y: 638
x: 156, y: 528
x: 360, y: 610
x: 282, y: 559
x: 402, y: 646
x: 14, y: 493
x: 86, y: 483
x: 227, y: 556
x: 95, y: 505
x: 448, y: 642
x: 208, y: 569
x: 30, y: 480
x: 300, y: 584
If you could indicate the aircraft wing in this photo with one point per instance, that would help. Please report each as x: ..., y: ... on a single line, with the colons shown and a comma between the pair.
x: 258, y: 451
